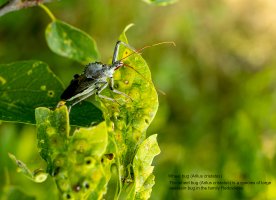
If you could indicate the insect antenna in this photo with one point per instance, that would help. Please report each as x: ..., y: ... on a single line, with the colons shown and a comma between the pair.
x: 137, y: 72
x: 139, y: 51
x: 148, y: 81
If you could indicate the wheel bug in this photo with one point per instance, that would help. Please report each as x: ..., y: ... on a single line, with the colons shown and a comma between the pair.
x: 96, y: 77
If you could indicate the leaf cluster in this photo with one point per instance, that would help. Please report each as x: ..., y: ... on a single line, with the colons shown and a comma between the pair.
x: 112, y: 135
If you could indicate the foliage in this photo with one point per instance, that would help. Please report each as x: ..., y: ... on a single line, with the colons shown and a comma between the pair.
x: 75, y: 162
x: 26, y: 85
x: 38, y: 175
x: 70, y: 42
x: 80, y: 163
x: 129, y: 118
x: 218, y: 114
x: 143, y: 169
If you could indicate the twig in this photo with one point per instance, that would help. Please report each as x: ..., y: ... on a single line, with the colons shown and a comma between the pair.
x: 13, y: 5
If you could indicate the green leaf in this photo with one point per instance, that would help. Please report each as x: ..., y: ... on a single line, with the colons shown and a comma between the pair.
x: 131, y: 117
x: 123, y: 37
x: 38, y: 175
x: 25, y: 85
x: 160, y: 2
x: 144, y: 179
x: 70, y: 42
x: 75, y: 162
x: 128, y: 119
x: 90, y: 145
x: 52, y: 133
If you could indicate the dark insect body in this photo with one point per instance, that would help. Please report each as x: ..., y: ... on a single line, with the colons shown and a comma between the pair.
x: 95, y: 78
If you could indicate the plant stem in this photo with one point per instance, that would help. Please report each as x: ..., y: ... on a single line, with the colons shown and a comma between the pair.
x: 14, y: 5
x: 46, y: 9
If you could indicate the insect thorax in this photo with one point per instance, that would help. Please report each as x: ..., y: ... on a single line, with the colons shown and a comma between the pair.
x: 94, y: 70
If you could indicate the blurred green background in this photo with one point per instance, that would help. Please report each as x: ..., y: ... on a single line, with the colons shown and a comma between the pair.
x: 219, y: 112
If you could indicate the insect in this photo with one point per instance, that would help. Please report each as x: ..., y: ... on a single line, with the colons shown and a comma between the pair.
x: 95, y: 78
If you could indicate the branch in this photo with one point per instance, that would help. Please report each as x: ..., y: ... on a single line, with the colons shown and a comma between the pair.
x: 13, y: 5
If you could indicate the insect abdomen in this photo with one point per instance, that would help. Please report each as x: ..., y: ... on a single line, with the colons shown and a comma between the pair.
x: 70, y: 91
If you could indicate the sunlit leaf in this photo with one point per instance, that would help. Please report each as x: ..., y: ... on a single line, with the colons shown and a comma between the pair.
x: 75, y: 162
x: 144, y: 179
x: 70, y: 42
x: 52, y: 133
x: 131, y: 117
x: 84, y: 168
x: 38, y: 175
x: 128, y: 119
x: 160, y: 2
x: 123, y: 37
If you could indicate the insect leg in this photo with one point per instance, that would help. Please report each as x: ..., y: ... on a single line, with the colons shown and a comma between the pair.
x: 100, y: 89
x: 108, y: 98
x: 79, y: 100
x: 117, y: 91
x: 121, y: 93
x: 116, y: 50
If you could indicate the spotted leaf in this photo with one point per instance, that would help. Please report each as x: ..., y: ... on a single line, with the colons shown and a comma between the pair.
x: 70, y: 42
x: 26, y: 85
x: 76, y: 162
x: 129, y: 118
x: 144, y: 179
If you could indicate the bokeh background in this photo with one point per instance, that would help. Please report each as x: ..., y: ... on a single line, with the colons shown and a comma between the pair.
x: 219, y: 112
